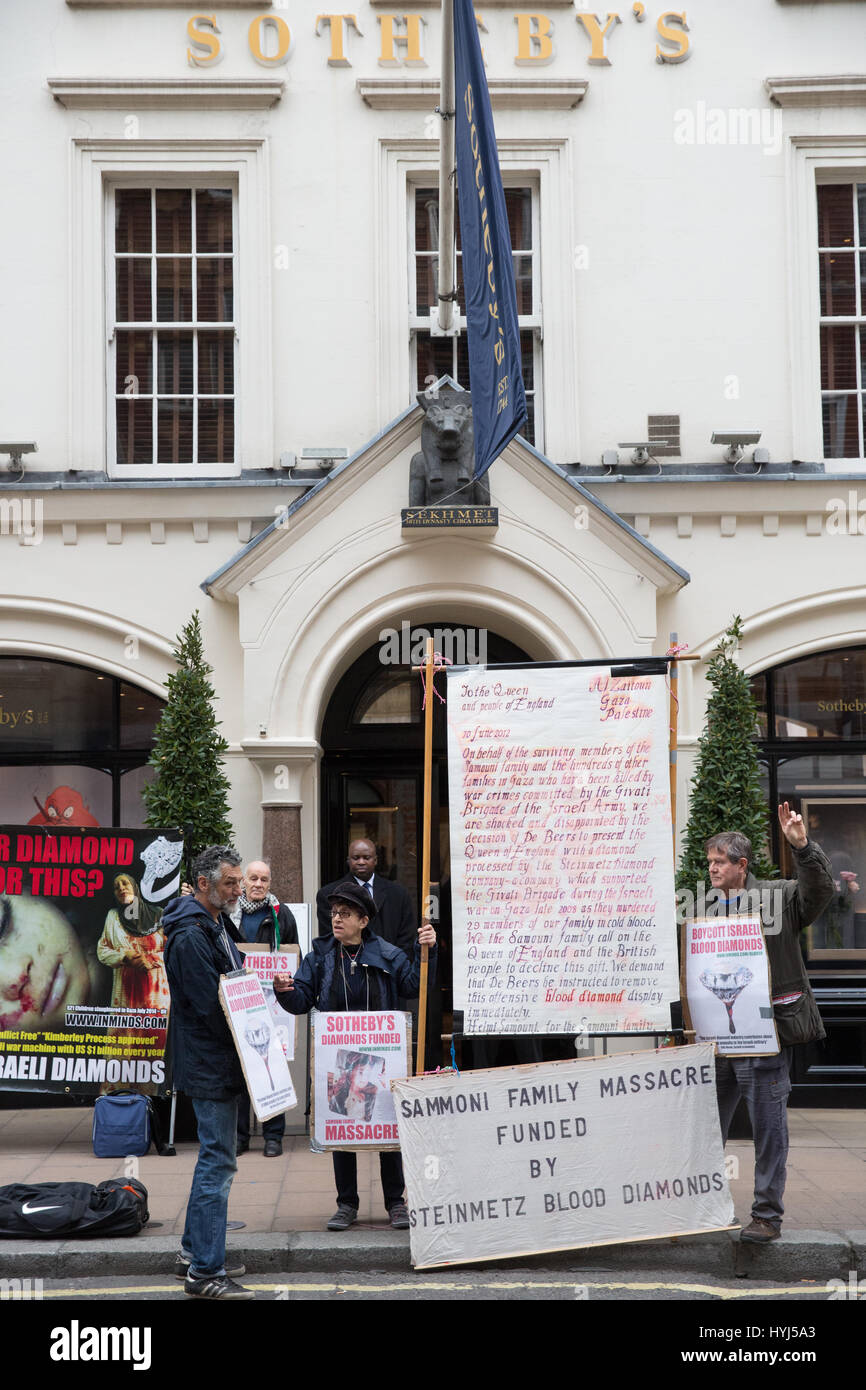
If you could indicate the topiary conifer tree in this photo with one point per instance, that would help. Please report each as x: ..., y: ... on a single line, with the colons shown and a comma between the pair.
x: 190, y: 789
x: 726, y: 792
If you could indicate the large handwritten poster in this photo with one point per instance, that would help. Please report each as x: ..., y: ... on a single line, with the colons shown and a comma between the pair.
x: 561, y: 863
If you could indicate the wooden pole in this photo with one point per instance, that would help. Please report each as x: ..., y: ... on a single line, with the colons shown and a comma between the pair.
x: 673, y: 717
x: 429, y: 669
x: 673, y: 677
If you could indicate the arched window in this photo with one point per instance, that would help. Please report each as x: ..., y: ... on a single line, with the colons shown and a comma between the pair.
x: 812, y: 735
x: 74, y: 744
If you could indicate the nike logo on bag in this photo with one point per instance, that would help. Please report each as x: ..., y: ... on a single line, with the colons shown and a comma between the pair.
x: 29, y: 1211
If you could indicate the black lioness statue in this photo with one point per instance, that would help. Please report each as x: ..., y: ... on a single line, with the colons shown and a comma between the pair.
x: 441, y: 475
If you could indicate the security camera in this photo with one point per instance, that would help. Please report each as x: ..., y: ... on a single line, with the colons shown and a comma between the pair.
x: 15, y: 452
x: 643, y: 449
x: 736, y: 440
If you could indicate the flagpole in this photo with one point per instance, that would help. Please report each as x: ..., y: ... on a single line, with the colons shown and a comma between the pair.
x: 447, y: 162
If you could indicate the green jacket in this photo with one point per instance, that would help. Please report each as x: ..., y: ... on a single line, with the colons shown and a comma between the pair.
x: 786, y: 907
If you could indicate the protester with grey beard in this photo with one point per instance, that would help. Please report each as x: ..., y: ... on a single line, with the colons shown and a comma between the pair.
x: 199, y: 948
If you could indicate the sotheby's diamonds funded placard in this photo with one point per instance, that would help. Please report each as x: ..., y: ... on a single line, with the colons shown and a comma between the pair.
x: 354, y: 1059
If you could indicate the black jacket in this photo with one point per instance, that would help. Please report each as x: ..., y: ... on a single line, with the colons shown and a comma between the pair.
x: 265, y: 935
x: 786, y: 906
x: 205, y: 1063
x: 395, y: 916
x: 388, y: 971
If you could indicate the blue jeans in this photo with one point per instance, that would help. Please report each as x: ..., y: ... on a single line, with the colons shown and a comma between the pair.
x: 765, y: 1084
x: 204, y: 1235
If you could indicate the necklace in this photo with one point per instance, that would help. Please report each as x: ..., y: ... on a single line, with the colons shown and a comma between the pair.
x: 352, y: 958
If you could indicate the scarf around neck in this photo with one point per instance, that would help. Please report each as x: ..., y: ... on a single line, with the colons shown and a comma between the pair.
x: 269, y: 902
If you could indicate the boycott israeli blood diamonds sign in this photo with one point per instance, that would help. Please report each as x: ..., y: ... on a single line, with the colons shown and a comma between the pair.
x: 258, y: 1043
x: 726, y: 985
x: 354, y: 1059
x: 84, y: 996
x: 523, y: 1160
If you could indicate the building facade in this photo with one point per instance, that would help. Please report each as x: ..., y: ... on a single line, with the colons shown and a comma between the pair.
x: 219, y: 256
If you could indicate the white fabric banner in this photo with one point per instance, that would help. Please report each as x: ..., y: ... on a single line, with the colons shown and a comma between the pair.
x: 522, y: 1160
x: 561, y: 859
x: 727, y: 985
x: 355, y: 1057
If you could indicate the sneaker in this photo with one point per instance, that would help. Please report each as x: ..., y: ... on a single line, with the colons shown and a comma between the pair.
x: 398, y: 1214
x: 216, y: 1286
x: 343, y: 1218
x: 273, y: 1148
x: 182, y: 1264
x: 759, y: 1232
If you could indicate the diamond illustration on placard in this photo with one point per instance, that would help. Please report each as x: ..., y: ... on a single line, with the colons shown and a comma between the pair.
x: 727, y: 986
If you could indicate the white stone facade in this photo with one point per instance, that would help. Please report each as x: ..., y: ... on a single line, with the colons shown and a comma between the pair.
x: 677, y: 267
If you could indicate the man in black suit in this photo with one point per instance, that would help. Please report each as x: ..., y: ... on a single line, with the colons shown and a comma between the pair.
x: 394, y: 919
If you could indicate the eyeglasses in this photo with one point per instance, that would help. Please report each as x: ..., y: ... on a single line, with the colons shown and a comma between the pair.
x: 343, y: 912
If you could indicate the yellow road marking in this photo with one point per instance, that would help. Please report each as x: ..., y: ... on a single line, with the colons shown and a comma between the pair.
x: 430, y: 1287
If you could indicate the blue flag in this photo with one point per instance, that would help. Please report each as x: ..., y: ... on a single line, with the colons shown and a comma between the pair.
x: 498, y: 397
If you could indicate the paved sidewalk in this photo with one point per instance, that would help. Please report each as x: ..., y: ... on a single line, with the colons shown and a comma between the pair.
x: 826, y: 1189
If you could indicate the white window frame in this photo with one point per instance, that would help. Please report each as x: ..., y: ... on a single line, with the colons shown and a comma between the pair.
x: 97, y: 167
x: 544, y: 166
x: 813, y: 159
x: 526, y: 322
x: 162, y: 470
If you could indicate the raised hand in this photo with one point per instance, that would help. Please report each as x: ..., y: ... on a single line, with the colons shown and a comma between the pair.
x: 792, y: 826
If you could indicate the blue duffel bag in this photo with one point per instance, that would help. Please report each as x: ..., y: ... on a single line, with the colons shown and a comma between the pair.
x: 121, y: 1125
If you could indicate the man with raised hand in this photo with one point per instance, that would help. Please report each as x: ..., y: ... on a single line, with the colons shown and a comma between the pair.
x: 765, y: 1082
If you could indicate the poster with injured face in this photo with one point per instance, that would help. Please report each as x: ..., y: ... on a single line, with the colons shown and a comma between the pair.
x: 84, y: 997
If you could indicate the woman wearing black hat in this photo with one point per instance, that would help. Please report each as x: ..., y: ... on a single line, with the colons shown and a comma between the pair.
x: 353, y: 969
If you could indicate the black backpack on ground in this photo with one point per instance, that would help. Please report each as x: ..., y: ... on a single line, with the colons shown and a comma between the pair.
x: 73, y: 1210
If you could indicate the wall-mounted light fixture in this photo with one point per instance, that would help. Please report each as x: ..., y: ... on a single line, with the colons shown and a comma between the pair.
x: 16, y: 452
x: 643, y: 449
x: 736, y: 441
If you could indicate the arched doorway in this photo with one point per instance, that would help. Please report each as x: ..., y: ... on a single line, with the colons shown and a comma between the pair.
x: 372, y: 769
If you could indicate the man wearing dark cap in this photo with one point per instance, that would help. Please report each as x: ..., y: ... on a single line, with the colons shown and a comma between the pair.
x: 353, y: 969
